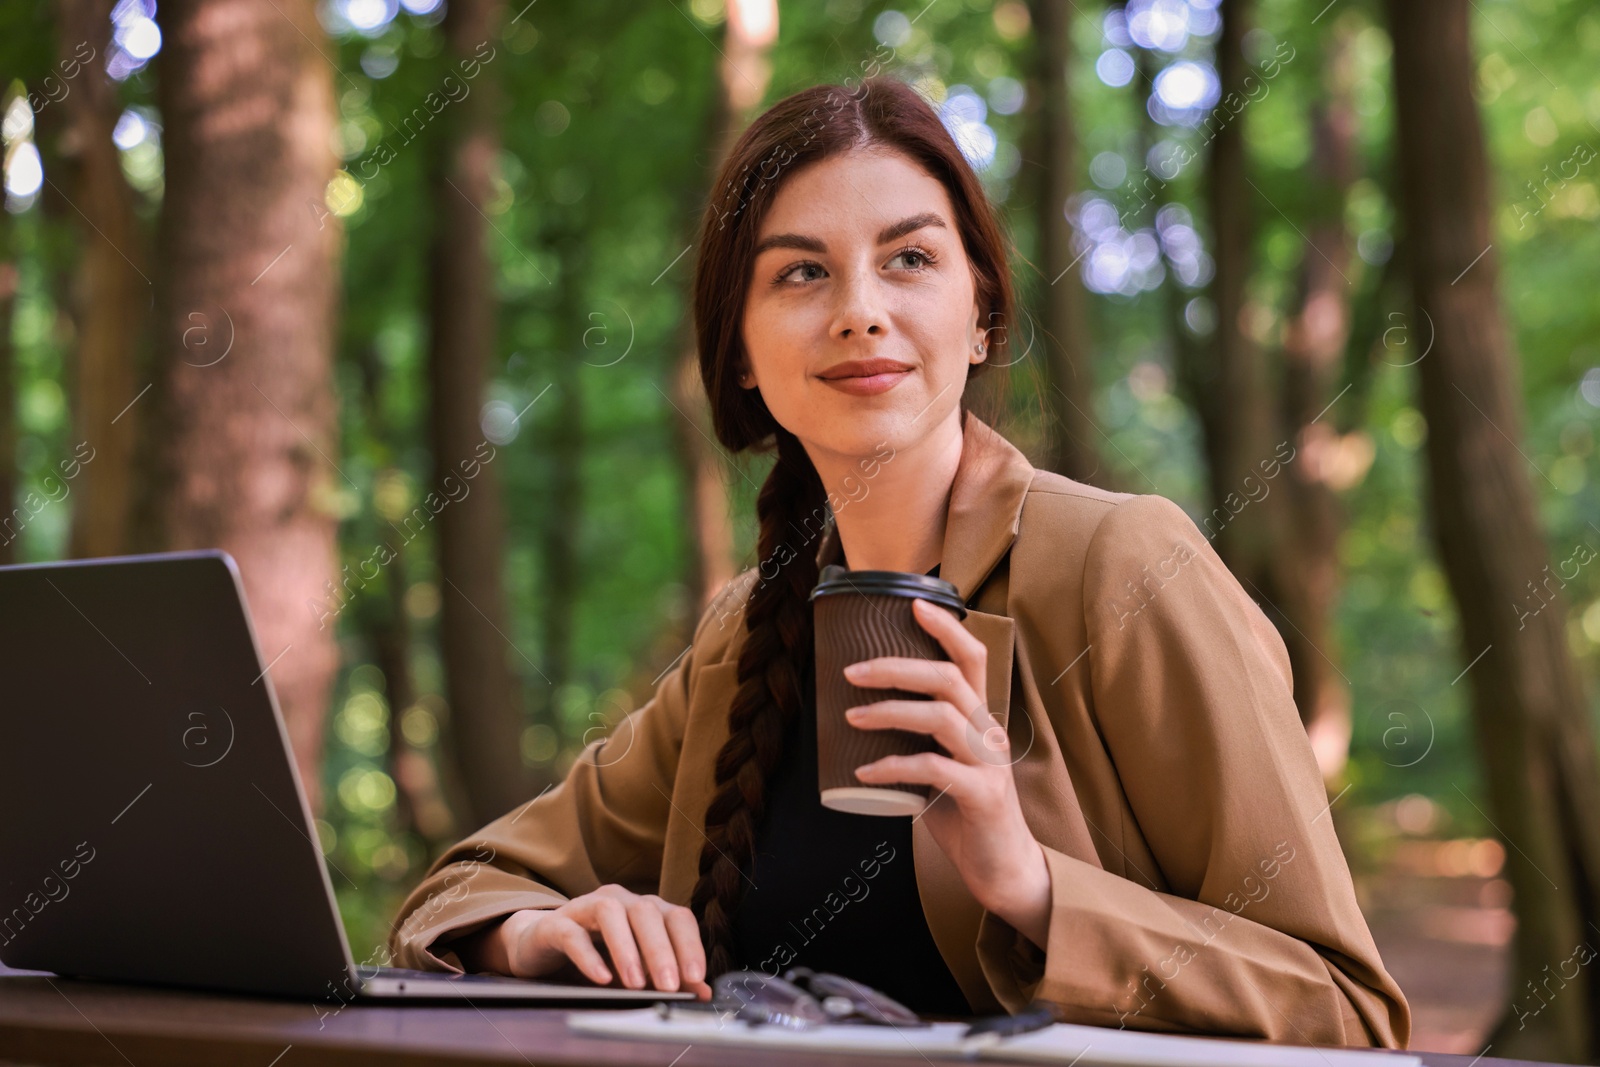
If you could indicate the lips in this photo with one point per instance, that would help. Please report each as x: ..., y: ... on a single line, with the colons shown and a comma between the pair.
x: 866, y: 377
x: 864, y: 368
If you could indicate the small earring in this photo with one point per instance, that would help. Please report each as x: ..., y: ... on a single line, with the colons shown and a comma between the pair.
x: 980, y: 348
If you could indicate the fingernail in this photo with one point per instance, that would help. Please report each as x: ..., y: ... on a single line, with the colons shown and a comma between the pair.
x: 853, y: 670
x: 852, y: 713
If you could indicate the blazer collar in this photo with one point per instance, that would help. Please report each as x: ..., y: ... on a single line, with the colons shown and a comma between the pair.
x: 986, y: 499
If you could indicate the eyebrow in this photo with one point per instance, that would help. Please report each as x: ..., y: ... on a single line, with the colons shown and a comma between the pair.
x: 811, y: 244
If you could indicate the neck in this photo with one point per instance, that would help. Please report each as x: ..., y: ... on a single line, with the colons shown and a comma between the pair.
x: 898, y: 523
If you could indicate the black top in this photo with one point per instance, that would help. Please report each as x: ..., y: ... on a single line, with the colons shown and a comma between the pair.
x: 836, y: 891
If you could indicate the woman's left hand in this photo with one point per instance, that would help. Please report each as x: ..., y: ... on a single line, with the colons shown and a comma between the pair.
x: 974, y: 814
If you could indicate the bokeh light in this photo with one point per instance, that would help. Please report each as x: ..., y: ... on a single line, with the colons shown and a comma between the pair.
x: 1115, y: 67
x: 963, y: 113
x: 135, y: 38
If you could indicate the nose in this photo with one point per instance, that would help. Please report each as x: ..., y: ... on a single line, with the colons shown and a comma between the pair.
x: 860, y: 311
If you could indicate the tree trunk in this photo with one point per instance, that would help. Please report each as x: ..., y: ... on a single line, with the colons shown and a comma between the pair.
x: 111, y: 291
x: 563, y: 444
x: 707, y: 510
x: 1065, y: 340
x: 485, y: 698
x: 743, y: 74
x: 9, y: 275
x: 1189, y: 353
x: 243, y: 399
x: 421, y: 805
x: 1242, y: 436
x: 1528, y: 704
x: 1191, y: 379
x: 1306, y: 513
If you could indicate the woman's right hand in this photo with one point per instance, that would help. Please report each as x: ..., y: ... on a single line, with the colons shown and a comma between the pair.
x: 640, y: 932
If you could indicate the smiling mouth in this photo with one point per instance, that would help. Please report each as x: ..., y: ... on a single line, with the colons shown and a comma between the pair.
x: 864, y: 368
x: 869, y: 384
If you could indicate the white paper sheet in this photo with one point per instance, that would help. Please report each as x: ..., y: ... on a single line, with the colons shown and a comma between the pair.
x: 1085, y: 1045
x: 1063, y: 1043
x: 939, y: 1040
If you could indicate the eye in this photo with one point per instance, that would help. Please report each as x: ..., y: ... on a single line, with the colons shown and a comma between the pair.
x: 807, y: 265
x: 921, y: 258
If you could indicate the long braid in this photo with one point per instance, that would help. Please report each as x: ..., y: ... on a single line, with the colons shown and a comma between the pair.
x: 777, y: 649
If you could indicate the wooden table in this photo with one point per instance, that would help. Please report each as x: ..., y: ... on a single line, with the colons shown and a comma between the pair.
x: 50, y: 1020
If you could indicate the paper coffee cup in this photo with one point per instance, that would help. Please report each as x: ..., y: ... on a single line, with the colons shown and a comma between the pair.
x: 861, y: 615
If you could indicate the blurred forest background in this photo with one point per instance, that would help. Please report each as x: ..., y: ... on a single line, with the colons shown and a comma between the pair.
x: 388, y: 299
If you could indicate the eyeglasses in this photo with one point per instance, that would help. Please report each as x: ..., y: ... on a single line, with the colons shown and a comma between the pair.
x: 802, y: 999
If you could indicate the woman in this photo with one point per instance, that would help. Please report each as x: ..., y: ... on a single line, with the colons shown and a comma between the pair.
x: 1128, y: 820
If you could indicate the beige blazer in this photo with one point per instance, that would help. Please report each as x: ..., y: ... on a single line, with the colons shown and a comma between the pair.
x: 1198, y: 884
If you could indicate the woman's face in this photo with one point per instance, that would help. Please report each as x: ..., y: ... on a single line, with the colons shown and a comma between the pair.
x: 862, y: 317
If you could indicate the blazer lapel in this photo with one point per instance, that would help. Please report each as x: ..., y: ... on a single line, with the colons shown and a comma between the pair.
x: 986, y: 498
x: 985, y: 510
x: 951, y: 910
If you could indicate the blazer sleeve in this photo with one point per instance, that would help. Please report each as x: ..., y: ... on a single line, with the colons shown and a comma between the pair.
x: 1259, y: 933
x: 604, y: 822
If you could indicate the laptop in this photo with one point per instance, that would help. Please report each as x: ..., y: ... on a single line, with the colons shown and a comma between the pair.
x: 155, y: 829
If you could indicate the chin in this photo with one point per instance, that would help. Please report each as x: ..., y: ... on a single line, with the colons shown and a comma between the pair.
x: 869, y: 435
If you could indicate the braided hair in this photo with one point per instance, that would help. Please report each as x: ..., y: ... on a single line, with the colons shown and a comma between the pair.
x: 771, y: 688
x: 806, y: 127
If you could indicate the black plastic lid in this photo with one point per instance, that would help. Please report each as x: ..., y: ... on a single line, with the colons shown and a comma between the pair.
x: 837, y: 579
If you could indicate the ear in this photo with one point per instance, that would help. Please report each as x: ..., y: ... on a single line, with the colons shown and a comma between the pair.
x: 978, y: 349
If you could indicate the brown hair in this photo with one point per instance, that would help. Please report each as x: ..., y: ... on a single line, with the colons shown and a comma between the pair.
x: 809, y: 126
